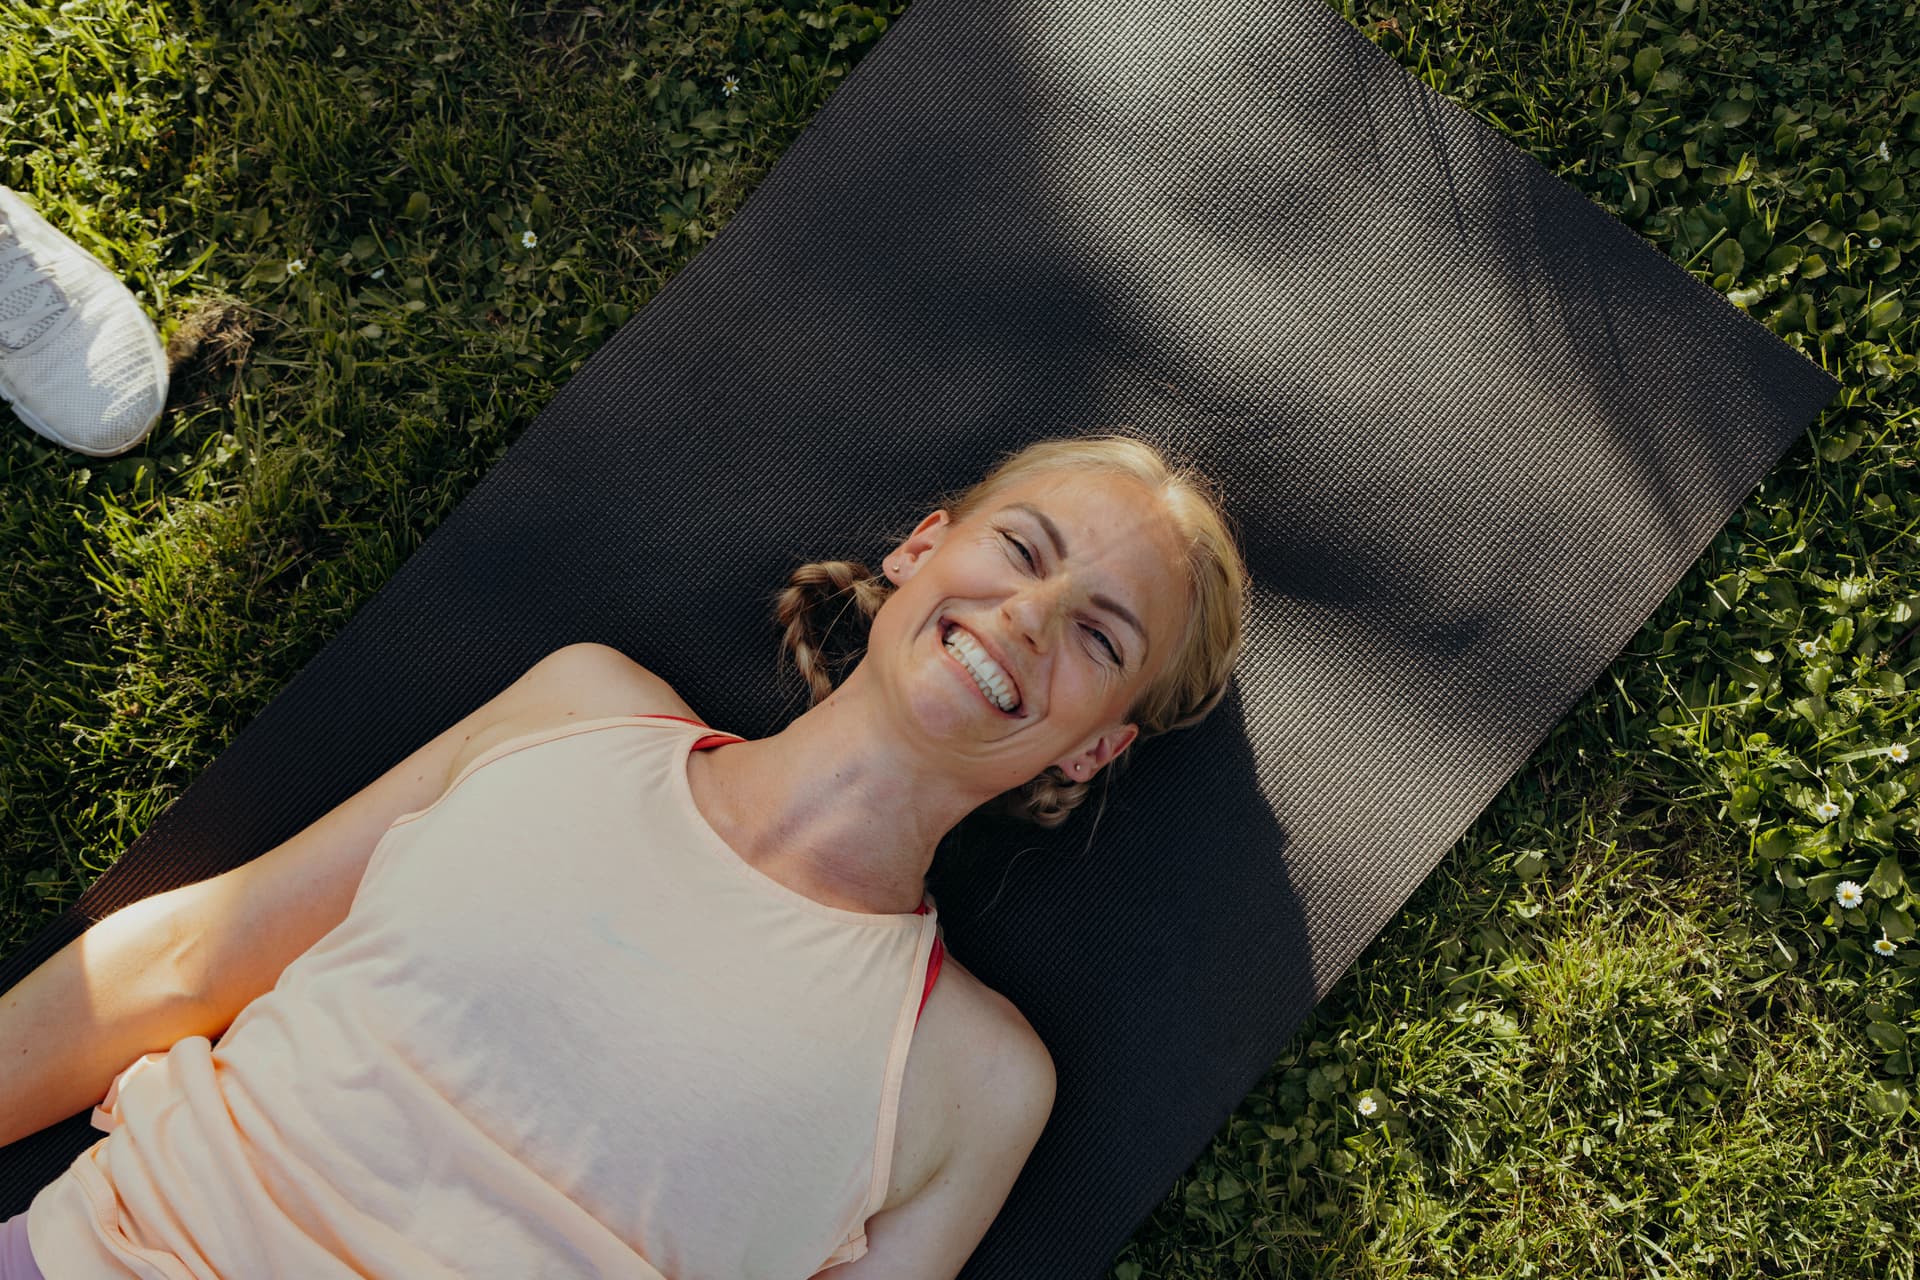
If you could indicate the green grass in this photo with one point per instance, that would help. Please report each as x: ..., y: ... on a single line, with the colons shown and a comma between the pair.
x: 1625, y: 1030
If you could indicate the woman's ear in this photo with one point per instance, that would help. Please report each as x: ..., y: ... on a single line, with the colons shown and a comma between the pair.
x: 1120, y: 742
x: 926, y: 535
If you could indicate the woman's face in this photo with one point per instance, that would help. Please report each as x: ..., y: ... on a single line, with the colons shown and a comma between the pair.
x: 1071, y: 584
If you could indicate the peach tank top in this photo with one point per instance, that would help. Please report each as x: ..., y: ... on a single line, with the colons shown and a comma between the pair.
x: 563, y: 1031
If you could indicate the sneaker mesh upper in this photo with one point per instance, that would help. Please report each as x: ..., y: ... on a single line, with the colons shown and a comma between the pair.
x: 18, y: 296
x: 80, y: 359
x: 94, y: 382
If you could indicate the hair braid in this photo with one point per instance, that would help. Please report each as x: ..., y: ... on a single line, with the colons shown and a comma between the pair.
x: 799, y: 607
x: 1045, y: 800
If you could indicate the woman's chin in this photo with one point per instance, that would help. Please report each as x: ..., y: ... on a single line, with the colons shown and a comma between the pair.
x: 945, y: 714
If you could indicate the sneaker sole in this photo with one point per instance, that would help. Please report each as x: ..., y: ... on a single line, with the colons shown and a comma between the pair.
x: 47, y: 430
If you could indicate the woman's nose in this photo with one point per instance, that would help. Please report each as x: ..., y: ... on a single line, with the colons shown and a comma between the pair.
x: 1035, y: 612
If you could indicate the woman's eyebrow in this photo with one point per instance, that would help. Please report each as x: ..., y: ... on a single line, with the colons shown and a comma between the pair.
x: 1060, y: 549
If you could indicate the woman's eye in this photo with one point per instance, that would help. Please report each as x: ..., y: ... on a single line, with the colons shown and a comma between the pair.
x: 1099, y: 635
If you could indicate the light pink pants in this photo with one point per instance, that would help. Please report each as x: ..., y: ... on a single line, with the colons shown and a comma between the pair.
x: 16, y: 1262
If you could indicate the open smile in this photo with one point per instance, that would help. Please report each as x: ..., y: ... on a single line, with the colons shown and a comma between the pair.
x: 940, y: 638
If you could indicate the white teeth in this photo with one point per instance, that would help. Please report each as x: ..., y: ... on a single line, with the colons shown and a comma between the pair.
x: 984, y: 671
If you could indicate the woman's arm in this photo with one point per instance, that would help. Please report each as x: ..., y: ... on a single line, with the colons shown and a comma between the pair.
x: 241, y: 929
x: 1009, y: 1088
x: 187, y: 961
x: 84, y: 1015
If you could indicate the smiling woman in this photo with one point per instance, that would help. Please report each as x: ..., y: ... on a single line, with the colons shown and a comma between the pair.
x: 1176, y: 513
x: 1024, y: 635
x: 476, y: 1080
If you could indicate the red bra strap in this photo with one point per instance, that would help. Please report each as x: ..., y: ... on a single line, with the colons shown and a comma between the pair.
x: 933, y: 971
x: 658, y: 715
x: 715, y: 739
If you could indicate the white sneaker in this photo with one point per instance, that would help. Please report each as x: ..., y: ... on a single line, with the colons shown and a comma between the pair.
x: 79, y: 360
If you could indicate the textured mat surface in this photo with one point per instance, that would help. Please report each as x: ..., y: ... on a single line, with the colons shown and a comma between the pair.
x: 1474, y: 429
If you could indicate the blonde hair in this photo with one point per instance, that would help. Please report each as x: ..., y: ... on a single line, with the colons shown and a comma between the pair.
x: 1188, y: 685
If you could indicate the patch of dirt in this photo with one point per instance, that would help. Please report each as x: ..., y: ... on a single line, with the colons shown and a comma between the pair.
x: 217, y: 333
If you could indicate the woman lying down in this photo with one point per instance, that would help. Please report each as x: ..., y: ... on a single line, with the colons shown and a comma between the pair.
x: 585, y: 987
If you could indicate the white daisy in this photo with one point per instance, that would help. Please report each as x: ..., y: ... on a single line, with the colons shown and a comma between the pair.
x: 296, y: 265
x: 1367, y: 1105
x: 1826, y: 809
x: 1882, y: 152
x: 730, y: 86
x: 1884, y: 946
x: 528, y: 239
x: 1898, y: 752
x: 1849, y: 895
x: 1873, y: 243
x: 1808, y: 648
x: 378, y: 272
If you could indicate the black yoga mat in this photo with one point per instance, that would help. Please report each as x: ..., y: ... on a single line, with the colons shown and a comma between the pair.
x: 1474, y: 430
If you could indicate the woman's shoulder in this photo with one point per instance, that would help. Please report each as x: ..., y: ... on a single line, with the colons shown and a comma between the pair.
x: 991, y: 1027
x: 975, y: 1057
x: 1001, y: 1025
x: 577, y: 682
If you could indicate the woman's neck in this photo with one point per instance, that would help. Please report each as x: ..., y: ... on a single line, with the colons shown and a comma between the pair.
x: 830, y: 808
